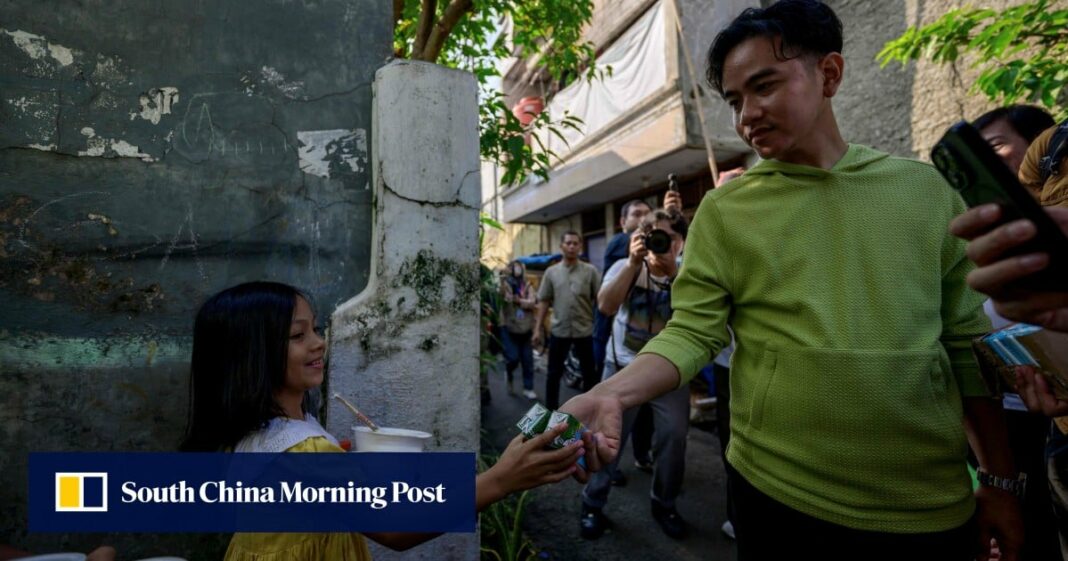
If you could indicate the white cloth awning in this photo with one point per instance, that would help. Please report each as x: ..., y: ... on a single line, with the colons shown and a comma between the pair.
x: 638, y: 62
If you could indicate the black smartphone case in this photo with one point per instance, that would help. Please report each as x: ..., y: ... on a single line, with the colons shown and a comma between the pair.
x: 972, y: 168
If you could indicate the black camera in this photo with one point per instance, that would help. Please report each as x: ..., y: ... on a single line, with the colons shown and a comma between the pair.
x: 657, y: 241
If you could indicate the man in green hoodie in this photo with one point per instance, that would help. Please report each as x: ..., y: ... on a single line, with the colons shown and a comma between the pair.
x: 853, y: 377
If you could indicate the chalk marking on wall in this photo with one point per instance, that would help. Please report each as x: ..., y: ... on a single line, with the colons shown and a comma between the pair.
x: 202, y: 137
x: 37, y: 47
x: 155, y: 103
x: 22, y: 227
x: 337, y: 151
x: 192, y: 245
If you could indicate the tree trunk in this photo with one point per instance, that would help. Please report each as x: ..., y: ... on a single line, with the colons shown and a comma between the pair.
x: 453, y: 13
x: 428, y: 12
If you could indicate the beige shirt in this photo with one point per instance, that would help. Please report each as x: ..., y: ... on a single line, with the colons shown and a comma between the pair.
x: 571, y: 290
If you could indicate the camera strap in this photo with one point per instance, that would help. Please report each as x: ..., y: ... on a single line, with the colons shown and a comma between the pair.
x: 630, y: 288
x: 1055, y: 152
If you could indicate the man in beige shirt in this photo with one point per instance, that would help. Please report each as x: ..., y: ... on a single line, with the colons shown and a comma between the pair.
x: 570, y: 287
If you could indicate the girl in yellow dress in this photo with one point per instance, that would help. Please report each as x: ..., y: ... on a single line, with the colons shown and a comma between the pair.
x: 256, y: 353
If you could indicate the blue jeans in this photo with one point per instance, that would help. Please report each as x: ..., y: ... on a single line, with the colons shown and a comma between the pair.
x: 517, y: 350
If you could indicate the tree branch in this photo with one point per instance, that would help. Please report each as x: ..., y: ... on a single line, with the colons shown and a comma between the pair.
x: 453, y: 12
x: 428, y: 11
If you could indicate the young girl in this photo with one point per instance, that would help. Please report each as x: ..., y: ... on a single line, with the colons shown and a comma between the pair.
x: 255, y: 355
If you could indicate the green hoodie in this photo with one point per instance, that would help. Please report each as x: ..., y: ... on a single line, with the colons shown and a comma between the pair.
x: 847, y: 298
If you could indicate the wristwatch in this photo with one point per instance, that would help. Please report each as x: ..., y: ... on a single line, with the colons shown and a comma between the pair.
x: 1014, y: 486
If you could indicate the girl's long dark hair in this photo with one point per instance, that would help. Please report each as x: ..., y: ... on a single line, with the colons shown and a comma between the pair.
x: 240, y: 349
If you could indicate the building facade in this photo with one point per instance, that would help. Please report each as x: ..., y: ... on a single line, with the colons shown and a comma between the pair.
x: 656, y: 114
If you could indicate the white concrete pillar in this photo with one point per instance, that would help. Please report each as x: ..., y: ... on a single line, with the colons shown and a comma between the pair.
x: 405, y: 350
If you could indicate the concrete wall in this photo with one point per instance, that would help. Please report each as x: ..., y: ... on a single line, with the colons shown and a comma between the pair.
x: 150, y: 155
x: 874, y: 106
x: 406, y: 349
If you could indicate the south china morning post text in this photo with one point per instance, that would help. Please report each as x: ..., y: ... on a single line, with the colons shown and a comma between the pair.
x: 194, y: 492
x: 210, y: 492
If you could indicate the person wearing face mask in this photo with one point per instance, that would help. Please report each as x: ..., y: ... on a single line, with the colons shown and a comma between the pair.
x: 518, y: 318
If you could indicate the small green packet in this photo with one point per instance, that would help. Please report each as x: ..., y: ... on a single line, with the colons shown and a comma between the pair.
x: 572, y: 433
x: 535, y: 421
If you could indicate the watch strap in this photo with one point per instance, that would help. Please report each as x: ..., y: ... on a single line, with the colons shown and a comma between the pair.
x: 1016, y: 486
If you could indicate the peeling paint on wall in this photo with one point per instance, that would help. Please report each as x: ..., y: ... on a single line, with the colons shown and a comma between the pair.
x: 37, y: 47
x: 155, y: 103
x: 100, y: 147
x: 276, y: 79
x: 332, y: 153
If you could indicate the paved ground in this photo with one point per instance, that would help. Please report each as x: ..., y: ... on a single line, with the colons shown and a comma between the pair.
x: 552, y: 517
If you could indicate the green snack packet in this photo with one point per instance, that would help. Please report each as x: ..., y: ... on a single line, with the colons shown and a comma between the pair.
x: 572, y: 433
x: 535, y: 421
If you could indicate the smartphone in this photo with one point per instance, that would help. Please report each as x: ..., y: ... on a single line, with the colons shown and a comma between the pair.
x: 972, y: 168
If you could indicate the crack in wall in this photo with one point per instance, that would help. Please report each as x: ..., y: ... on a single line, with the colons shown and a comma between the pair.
x: 328, y: 95
x: 450, y: 204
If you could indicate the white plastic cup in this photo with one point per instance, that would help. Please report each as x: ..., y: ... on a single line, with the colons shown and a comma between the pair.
x: 388, y: 439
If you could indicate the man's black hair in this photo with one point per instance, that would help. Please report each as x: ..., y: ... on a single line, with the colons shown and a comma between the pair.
x: 807, y: 27
x: 1027, y: 120
x: 570, y: 233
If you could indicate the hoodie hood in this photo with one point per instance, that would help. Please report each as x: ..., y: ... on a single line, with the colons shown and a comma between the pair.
x: 855, y: 159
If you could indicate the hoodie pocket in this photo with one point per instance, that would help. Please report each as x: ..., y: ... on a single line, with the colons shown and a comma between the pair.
x: 858, y: 409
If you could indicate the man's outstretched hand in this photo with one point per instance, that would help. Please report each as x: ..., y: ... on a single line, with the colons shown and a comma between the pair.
x: 603, y: 417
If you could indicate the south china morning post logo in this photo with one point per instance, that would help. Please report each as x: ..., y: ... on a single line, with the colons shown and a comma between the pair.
x: 202, y: 492
x: 81, y: 492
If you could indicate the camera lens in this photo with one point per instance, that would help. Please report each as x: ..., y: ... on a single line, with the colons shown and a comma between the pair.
x: 944, y: 161
x: 658, y: 241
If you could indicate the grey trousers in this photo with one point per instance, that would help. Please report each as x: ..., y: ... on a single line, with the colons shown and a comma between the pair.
x: 671, y: 422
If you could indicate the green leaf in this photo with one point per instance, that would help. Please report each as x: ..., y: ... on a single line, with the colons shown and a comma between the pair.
x: 1021, y: 51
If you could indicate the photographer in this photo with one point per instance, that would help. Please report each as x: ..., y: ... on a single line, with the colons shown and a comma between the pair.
x: 638, y: 291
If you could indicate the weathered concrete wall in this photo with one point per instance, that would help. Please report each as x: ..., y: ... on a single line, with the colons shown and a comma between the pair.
x: 152, y: 154
x: 406, y: 349
x: 874, y: 106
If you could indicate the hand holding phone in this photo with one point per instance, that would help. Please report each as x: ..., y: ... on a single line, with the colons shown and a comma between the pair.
x: 972, y: 168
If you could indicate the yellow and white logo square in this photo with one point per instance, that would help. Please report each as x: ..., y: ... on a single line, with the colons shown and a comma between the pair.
x: 82, y: 492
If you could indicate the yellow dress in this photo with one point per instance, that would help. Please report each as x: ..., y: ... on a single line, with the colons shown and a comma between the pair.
x: 300, y: 547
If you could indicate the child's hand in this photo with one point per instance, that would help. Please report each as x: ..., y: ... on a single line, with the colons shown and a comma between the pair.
x: 525, y: 465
